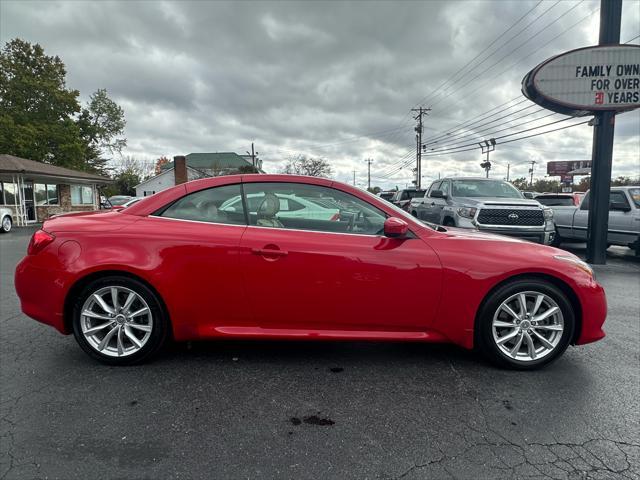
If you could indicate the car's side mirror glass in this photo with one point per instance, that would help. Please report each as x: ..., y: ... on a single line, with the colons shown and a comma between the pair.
x: 395, y: 227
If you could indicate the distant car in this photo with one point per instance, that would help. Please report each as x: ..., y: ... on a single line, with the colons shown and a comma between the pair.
x: 484, y: 204
x: 290, y: 206
x: 117, y: 200
x: 402, y: 198
x: 559, y: 199
x: 6, y: 221
x: 388, y: 195
x: 127, y: 204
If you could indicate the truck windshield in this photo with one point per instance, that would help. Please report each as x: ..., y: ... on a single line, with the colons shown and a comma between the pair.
x: 484, y: 188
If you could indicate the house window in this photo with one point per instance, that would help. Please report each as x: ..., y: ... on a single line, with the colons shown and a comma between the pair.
x: 148, y: 193
x: 81, y: 195
x: 46, y: 194
x: 9, y: 191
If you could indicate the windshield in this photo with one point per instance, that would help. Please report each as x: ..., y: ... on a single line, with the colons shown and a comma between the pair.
x: 484, y: 188
x: 552, y: 201
x: 634, y: 193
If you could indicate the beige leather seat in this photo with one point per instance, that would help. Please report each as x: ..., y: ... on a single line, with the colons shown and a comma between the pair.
x: 267, y: 211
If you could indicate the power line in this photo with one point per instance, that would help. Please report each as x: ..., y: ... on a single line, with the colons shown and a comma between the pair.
x: 509, y: 53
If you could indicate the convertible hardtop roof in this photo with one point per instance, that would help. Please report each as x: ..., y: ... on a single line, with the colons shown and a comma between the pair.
x: 150, y: 204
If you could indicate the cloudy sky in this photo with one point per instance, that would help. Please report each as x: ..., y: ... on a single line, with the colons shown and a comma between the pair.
x: 329, y: 79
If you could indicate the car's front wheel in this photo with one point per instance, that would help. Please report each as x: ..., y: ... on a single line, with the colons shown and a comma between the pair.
x: 525, y: 324
x: 6, y: 224
x: 119, y: 321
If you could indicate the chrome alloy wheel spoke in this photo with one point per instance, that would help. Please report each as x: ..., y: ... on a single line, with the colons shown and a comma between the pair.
x: 116, y: 321
x: 527, y: 326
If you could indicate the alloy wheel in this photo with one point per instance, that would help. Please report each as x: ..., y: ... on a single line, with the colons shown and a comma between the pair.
x: 527, y: 326
x: 6, y: 224
x: 116, y: 321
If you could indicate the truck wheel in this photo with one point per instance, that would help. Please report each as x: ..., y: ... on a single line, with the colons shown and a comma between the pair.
x: 448, y: 222
x: 414, y: 213
x: 557, y: 239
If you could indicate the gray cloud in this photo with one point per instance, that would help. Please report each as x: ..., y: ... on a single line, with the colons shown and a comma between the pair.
x: 320, y: 78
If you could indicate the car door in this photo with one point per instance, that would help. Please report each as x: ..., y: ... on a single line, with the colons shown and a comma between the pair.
x: 428, y: 212
x: 439, y: 204
x: 197, y: 245
x: 308, y: 274
x: 620, y: 221
x: 581, y: 220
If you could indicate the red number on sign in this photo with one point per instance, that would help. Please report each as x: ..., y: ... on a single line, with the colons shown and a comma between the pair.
x: 599, y: 98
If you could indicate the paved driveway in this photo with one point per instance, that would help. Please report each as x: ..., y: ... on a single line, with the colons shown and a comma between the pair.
x: 317, y: 410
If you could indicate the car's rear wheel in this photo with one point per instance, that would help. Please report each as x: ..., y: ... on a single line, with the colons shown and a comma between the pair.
x: 6, y: 224
x: 525, y: 324
x: 119, y: 321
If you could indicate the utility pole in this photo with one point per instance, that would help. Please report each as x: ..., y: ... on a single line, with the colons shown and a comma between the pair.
x: 488, y: 147
x: 508, y: 168
x: 354, y: 178
x: 532, y: 162
x: 369, y: 162
x: 598, y: 223
x: 421, y: 111
x: 253, y: 156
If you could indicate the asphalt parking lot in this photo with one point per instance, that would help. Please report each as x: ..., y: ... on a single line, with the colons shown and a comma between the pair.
x: 318, y: 410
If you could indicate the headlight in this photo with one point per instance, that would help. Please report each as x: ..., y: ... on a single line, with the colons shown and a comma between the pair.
x: 584, y: 266
x: 467, y: 212
x: 548, y: 213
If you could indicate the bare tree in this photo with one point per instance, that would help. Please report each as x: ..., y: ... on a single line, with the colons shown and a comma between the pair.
x: 303, y: 165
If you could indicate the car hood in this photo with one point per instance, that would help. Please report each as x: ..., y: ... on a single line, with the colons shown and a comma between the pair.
x: 95, y: 221
x: 518, y: 202
x: 470, y: 234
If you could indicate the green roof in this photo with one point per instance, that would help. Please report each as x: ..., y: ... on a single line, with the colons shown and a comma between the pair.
x: 213, y: 161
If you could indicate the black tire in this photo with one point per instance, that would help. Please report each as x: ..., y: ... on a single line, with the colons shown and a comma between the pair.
x: 5, y: 224
x: 448, y: 222
x: 414, y: 213
x: 160, y: 326
x: 484, y: 330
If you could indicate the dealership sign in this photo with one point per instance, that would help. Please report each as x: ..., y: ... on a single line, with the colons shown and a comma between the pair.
x: 565, y: 167
x: 588, y: 79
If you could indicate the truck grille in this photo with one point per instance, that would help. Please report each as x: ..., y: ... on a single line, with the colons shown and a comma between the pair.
x: 509, y: 216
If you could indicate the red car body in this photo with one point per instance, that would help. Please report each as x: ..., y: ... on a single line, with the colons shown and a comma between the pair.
x: 338, y: 286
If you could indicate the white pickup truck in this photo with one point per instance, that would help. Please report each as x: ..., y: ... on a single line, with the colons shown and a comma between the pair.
x: 624, y: 219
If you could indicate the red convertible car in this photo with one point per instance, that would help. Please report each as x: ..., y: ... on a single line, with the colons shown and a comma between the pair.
x: 249, y: 257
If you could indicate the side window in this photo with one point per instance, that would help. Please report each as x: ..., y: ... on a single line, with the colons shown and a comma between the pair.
x: 300, y: 206
x: 445, y: 187
x: 215, y: 205
x: 434, y: 186
x: 585, y: 202
x: 618, y: 197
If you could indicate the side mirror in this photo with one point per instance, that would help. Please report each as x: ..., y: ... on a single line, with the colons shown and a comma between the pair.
x: 437, y: 194
x: 395, y: 227
x: 619, y: 206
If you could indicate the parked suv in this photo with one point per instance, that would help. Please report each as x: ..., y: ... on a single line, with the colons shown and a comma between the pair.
x: 402, y: 198
x: 484, y: 204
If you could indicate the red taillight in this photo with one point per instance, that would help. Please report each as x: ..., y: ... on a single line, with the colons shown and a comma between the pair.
x: 39, y: 240
x: 335, y: 217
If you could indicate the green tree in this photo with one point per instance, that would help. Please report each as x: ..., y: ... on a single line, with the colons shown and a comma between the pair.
x: 36, y: 107
x: 520, y: 183
x: 41, y: 119
x: 101, y: 124
x: 303, y: 165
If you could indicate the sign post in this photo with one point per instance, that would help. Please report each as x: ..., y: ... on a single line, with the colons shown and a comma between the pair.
x: 598, y: 226
x: 600, y: 81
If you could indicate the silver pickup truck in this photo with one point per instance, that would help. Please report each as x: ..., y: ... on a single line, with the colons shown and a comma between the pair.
x: 484, y: 204
x: 624, y: 219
